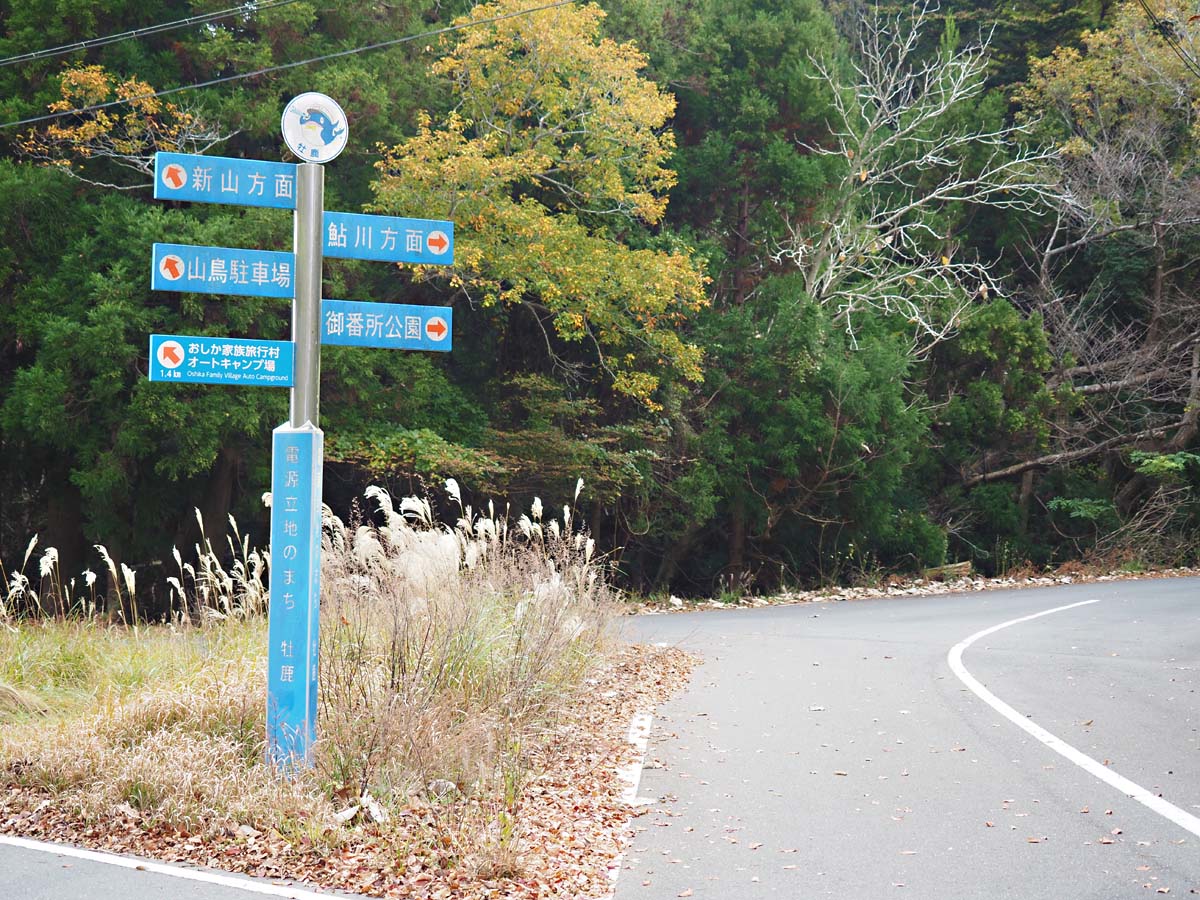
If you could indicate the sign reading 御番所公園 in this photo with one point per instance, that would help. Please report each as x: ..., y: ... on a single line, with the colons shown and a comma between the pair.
x: 394, y: 326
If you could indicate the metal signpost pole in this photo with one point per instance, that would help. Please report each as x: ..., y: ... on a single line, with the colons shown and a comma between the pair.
x: 306, y: 309
x: 296, y: 462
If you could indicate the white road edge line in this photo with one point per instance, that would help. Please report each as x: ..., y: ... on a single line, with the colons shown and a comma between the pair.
x: 145, y: 865
x: 1183, y: 819
x: 639, y: 736
x: 631, y: 775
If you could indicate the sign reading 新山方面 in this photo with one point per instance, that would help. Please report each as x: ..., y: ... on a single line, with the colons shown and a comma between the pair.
x: 394, y: 326
x: 222, y: 270
x: 223, y: 179
x: 196, y: 359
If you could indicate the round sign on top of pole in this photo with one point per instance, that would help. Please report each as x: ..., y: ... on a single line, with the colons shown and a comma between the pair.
x: 314, y: 127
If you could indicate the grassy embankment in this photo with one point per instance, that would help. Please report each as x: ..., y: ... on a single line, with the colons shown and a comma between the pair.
x: 445, y: 657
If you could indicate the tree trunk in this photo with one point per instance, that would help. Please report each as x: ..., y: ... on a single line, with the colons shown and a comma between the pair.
x: 668, y: 566
x: 737, y: 539
x: 1026, y: 498
x: 218, y: 494
x: 64, y: 530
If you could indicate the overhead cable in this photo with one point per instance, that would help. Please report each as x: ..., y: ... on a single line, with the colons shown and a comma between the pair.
x: 279, y: 68
x: 244, y: 9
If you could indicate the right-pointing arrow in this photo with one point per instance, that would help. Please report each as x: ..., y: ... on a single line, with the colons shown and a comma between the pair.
x: 436, y: 328
x: 437, y: 242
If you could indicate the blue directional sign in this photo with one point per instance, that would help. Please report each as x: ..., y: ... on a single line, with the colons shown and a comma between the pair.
x: 395, y: 326
x: 222, y: 270
x: 221, y: 360
x: 295, y: 582
x: 389, y: 239
x: 222, y: 179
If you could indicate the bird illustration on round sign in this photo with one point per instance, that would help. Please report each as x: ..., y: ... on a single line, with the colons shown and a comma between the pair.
x: 319, y: 129
x: 314, y: 127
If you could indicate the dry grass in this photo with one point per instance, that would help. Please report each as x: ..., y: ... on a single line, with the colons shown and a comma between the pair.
x: 446, y: 654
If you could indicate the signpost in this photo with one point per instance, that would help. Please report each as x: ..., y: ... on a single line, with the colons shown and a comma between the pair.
x: 392, y: 325
x: 220, y: 270
x: 315, y: 129
x: 388, y: 239
x: 295, y: 589
x: 220, y: 360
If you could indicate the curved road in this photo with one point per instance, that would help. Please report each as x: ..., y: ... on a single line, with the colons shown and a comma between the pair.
x: 830, y: 750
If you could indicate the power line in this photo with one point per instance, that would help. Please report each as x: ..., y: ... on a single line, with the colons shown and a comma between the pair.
x: 245, y: 9
x: 292, y: 65
x: 1166, y: 30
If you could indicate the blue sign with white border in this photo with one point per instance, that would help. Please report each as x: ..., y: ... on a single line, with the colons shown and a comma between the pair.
x: 389, y: 239
x: 224, y: 179
x: 222, y: 270
x: 295, y: 584
x: 394, y: 326
x: 220, y: 360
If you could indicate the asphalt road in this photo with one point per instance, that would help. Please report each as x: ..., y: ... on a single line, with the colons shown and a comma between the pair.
x: 830, y: 750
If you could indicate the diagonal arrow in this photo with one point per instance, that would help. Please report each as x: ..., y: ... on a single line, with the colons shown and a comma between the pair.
x: 172, y: 267
x: 170, y: 353
x: 175, y: 176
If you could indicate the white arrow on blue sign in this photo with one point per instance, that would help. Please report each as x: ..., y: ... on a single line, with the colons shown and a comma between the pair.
x: 222, y: 270
x: 389, y: 239
x: 223, y: 179
x: 220, y: 360
x: 395, y: 326
x: 295, y: 585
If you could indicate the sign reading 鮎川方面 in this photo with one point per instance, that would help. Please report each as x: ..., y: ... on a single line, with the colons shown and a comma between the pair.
x: 195, y: 359
x: 389, y: 239
x: 223, y: 179
x: 222, y: 270
x: 394, y: 326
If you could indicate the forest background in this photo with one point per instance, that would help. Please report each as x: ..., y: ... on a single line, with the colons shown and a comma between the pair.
x: 803, y: 291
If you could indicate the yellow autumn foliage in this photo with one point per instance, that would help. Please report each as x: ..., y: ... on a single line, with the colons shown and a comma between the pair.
x: 555, y: 145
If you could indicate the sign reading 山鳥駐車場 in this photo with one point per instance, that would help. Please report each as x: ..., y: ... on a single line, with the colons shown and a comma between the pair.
x: 222, y: 270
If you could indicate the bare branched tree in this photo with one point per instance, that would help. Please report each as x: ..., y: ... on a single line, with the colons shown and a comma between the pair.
x: 914, y: 158
x: 127, y: 135
x: 1127, y: 344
